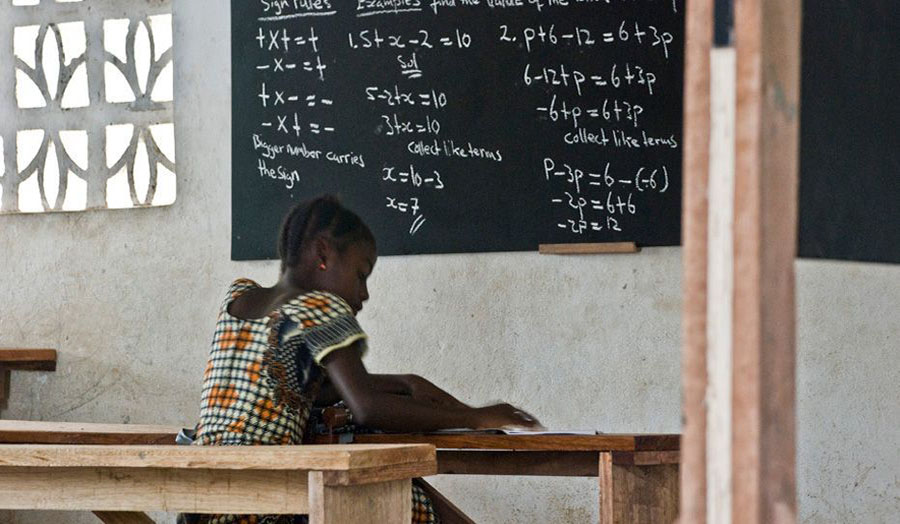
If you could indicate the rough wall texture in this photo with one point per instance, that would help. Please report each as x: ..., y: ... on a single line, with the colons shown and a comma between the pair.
x: 129, y: 299
x: 848, y: 384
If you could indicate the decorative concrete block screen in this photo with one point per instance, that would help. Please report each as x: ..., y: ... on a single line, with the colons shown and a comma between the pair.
x: 86, y: 97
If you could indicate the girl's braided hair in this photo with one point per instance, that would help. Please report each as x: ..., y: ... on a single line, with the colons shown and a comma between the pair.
x: 322, y: 215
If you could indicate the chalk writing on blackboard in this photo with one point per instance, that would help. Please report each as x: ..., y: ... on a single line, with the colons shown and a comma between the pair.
x: 436, y: 114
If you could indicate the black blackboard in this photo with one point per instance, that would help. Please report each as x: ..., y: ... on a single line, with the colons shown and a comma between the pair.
x: 850, y: 131
x: 445, y: 123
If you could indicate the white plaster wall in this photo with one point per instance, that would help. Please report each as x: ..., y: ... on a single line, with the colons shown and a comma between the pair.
x: 848, y: 383
x: 129, y: 299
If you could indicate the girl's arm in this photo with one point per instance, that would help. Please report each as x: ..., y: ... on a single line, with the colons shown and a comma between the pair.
x: 378, y: 409
x: 396, y: 384
x: 417, y: 387
x: 411, y: 385
x: 422, y: 389
x: 328, y: 395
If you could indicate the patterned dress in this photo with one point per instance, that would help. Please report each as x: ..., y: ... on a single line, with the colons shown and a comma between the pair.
x: 263, y: 376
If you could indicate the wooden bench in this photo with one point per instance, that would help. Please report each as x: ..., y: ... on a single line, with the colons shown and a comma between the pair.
x: 38, y: 432
x: 23, y: 360
x: 339, y: 484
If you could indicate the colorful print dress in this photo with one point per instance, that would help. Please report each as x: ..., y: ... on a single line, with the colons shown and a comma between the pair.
x: 263, y: 376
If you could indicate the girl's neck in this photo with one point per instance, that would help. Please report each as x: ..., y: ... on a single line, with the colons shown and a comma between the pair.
x: 291, y: 283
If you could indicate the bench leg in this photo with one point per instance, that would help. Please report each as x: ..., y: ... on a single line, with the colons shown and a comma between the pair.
x: 123, y: 517
x: 449, y: 513
x: 383, y: 502
x: 4, y: 387
x: 640, y: 494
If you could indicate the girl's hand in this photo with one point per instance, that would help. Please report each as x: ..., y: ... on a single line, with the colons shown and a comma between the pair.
x: 505, y: 416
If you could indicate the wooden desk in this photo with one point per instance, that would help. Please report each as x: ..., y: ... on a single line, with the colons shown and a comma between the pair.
x: 334, y: 484
x: 638, y: 474
x: 23, y: 360
x: 28, y: 359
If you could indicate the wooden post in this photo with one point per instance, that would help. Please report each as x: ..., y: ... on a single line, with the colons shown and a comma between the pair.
x: 765, y: 238
x: 641, y: 489
x: 720, y: 286
x: 698, y: 42
x: 389, y: 502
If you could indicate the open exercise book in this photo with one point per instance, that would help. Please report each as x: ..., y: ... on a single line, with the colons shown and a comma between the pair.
x: 504, y: 431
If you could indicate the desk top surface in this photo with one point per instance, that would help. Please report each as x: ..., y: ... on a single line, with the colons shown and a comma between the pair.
x: 34, y: 432
x: 318, y: 458
x: 38, y: 432
x: 604, y: 442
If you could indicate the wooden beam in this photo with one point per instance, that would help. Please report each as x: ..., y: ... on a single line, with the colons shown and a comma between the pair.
x: 768, y: 72
x: 539, y: 463
x: 542, y: 463
x: 588, y: 248
x: 380, y: 473
x: 475, y: 440
x: 695, y: 223
x: 359, y: 457
x: 151, y: 489
x: 645, y: 458
x: 28, y: 359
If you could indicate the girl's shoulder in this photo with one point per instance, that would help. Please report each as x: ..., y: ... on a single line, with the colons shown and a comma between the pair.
x: 307, y: 309
x: 323, y: 321
x: 319, y: 306
x: 236, y: 289
x: 240, y: 285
